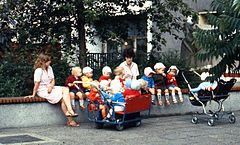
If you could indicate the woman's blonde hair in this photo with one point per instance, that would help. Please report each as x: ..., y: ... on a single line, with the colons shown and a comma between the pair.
x: 41, y: 60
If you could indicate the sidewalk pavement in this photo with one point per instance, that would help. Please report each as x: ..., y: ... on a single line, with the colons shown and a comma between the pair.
x: 170, y: 130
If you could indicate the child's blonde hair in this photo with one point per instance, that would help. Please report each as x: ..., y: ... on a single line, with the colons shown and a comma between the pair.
x: 76, y: 71
x: 118, y: 70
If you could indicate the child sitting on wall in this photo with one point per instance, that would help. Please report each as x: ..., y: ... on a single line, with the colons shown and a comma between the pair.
x: 160, y: 81
x: 87, y: 78
x: 148, y: 77
x: 172, y: 83
x: 75, y: 89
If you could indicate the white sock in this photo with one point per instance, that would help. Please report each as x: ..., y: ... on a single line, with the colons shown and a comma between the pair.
x: 173, y: 97
x: 159, y: 97
x: 153, y: 97
x: 81, y: 102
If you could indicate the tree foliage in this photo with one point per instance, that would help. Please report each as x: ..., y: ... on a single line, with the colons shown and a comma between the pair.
x: 221, y: 42
x: 31, y: 26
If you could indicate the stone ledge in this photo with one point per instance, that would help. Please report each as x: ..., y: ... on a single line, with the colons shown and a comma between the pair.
x: 15, y: 100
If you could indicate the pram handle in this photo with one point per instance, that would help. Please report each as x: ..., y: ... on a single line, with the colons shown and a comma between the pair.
x: 189, y: 87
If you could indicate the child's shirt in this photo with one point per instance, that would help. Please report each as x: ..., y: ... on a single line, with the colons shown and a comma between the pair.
x: 149, y: 80
x: 160, y: 80
x: 94, y: 96
x: 122, y: 80
x: 104, y: 82
x: 86, y: 85
x: 71, y: 79
x: 102, y: 78
x: 171, y: 80
x: 117, y: 97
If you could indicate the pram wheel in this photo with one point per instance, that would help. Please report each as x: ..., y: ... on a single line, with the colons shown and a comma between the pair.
x: 119, y: 127
x: 194, y: 120
x: 211, y: 122
x: 232, y: 119
x: 138, y: 123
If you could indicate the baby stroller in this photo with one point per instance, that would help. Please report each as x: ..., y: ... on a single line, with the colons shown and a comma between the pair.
x: 219, y: 95
x: 133, y: 105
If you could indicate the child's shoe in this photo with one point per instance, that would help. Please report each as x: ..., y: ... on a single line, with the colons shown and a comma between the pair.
x: 167, y: 102
x: 181, y: 99
x: 153, y: 103
x: 174, y: 100
x: 159, y: 103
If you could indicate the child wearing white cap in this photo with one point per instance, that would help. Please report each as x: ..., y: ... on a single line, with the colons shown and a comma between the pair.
x: 87, y: 78
x: 148, y: 76
x: 160, y: 81
x: 105, y: 79
x: 172, y: 83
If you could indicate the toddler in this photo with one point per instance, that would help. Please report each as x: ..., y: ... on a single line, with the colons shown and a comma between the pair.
x: 172, y: 83
x: 116, y: 98
x: 148, y: 77
x: 94, y: 96
x: 105, y: 79
x: 75, y: 89
x: 87, y: 78
x: 160, y: 81
x: 120, y: 75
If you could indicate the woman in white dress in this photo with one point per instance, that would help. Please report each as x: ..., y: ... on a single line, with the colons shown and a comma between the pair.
x: 44, y: 86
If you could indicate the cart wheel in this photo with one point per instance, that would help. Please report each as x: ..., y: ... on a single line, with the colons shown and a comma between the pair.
x: 99, y: 125
x: 211, y: 122
x: 138, y: 123
x: 232, y: 119
x: 119, y: 127
x: 194, y: 120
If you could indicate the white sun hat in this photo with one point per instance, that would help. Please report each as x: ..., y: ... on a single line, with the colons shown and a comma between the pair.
x: 159, y: 65
x: 148, y: 71
x: 87, y: 69
x: 173, y: 67
x: 106, y: 69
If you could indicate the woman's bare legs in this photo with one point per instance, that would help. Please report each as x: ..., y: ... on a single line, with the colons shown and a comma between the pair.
x: 67, y: 101
x: 70, y: 121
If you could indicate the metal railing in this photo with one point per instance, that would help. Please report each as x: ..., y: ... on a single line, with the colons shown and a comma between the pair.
x: 98, y: 60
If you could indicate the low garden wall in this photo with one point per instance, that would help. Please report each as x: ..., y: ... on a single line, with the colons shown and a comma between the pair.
x: 22, y: 112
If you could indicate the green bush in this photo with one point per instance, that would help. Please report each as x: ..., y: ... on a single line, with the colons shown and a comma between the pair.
x: 16, y: 74
x: 15, y: 78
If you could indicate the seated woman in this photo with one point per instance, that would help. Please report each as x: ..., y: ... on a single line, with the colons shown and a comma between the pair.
x: 44, y: 86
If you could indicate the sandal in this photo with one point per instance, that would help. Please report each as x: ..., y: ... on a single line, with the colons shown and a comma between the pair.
x: 71, y: 114
x: 72, y: 124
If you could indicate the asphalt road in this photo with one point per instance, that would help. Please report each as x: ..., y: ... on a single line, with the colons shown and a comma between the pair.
x: 171, y: 130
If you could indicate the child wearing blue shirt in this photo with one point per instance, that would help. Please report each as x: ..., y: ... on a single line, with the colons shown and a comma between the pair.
x: 148, y: 73
x: 116, y: 98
